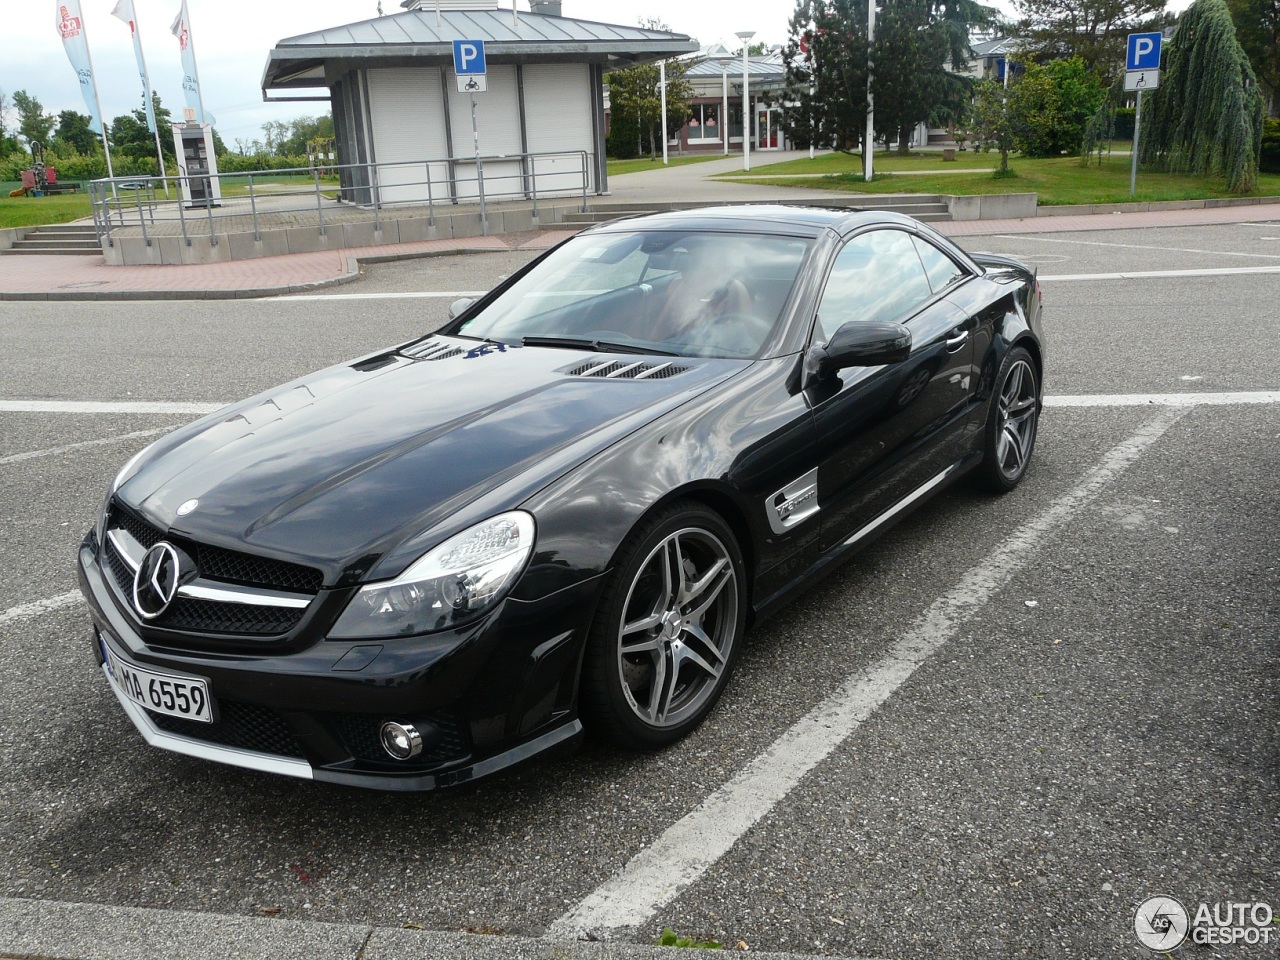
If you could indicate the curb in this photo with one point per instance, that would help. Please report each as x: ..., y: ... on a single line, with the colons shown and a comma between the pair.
x: 76, y: 931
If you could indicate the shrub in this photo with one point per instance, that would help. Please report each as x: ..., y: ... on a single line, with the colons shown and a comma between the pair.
x: 1051, y: 105
x: 1270, y: 162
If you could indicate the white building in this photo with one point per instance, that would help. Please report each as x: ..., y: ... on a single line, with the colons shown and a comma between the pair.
x: 404, y: 129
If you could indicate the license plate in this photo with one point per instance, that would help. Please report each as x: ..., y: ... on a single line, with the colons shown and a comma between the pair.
x: 185, y: 697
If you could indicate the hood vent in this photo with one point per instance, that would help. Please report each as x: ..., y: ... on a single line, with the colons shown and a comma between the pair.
x: 431, y: 349
x: 623, y: 370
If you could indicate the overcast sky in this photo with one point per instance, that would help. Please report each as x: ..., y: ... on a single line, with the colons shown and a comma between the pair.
x: 233, y: 38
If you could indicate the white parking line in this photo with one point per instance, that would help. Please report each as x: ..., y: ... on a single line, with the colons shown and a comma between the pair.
x: 53, y: 451
x: 27, y: 611
x: 110, y: 406
x: 1162, y: 399
x: 658, y: 874
x: 1161, y: 274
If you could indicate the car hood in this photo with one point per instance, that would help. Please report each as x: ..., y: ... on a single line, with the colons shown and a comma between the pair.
x: 339, y: 468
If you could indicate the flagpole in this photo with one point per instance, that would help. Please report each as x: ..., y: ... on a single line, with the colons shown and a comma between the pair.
x: 148, y: 108
x: 194, y: 62
x: 102, y: 120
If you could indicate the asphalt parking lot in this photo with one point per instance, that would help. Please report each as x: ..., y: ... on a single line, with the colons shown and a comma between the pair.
x: 996, y: 733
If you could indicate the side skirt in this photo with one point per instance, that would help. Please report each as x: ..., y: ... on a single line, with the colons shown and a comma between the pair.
x: 872, y: 530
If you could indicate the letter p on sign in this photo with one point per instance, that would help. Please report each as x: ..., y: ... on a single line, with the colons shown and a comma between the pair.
x: 468, y: 58
x: 1144, y: 51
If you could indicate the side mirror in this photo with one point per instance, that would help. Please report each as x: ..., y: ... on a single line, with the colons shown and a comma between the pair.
x: 860, y: 344
x: 457, y: 308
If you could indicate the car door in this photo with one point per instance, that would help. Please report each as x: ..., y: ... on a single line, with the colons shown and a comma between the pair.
x: 888, y: 429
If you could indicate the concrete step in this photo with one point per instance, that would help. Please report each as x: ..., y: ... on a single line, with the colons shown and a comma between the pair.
x: 88, y: 236
x: 65, y: 246
x: 78, y: 252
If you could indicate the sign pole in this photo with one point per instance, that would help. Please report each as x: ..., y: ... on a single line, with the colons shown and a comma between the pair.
x: 1137, y: 123
x: 475, y: 133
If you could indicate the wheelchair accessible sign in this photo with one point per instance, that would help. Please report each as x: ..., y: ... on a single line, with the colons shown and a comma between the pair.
x: 469, y: 65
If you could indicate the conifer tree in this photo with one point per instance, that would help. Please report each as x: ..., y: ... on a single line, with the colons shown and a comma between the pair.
x: 1206, y: 116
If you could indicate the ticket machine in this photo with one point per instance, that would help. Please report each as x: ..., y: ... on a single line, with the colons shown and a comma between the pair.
x: 197, y: 164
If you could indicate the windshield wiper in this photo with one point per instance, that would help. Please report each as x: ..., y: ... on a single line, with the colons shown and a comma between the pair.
x: 596, y: 346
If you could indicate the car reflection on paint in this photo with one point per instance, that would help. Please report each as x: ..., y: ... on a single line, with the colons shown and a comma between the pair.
x: 562, y: 511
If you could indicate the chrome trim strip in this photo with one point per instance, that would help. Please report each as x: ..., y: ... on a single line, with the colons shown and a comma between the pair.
x: 796, y: 502
x: 621, y: 373
x: 652, y: 371
x: 232, y: 756
x: 117, y: 540
x: 919, y: 493
x: 250, y: 596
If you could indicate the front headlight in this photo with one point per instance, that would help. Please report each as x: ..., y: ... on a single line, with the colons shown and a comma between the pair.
x: 454, y: 584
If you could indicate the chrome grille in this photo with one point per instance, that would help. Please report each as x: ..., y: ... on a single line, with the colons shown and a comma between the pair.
x: 431, y: 349
x: 288, y: 587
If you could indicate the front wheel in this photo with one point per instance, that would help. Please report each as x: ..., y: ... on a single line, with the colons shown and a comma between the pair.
x: 668, y: 627
x: 1010, y: 433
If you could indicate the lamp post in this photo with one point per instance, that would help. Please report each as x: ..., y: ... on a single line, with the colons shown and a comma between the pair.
x: 745, y: 36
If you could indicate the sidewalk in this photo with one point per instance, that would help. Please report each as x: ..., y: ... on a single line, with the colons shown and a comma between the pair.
x: 89, y: 277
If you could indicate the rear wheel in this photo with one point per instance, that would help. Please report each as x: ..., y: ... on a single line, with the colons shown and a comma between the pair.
x: 668, y: 627
x: 1010, y: 435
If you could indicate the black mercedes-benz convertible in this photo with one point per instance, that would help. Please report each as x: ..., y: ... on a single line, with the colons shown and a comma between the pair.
x: 563, y: 510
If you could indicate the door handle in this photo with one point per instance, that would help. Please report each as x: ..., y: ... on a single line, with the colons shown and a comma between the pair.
x: 957, y: 340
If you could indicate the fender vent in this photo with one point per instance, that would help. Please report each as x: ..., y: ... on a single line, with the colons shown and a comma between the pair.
x: 431, y: 349
x: 622, y: 370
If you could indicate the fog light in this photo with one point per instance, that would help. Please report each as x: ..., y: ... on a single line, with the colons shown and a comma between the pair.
x: 401, y: 740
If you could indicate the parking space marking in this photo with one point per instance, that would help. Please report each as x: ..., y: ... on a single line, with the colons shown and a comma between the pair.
x: 1163, y: 399
x: 658, y: 874
x: 103, y: 441
x: 109, y: 406
x: 1136, y: 246
x: 27, y: 611
x: 1161, y: 274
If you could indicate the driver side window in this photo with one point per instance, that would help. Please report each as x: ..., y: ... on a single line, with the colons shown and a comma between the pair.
x: 877, y: 276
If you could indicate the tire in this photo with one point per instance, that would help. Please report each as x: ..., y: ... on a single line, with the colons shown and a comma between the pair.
x: 662, y: 644
x: 1009, y: 437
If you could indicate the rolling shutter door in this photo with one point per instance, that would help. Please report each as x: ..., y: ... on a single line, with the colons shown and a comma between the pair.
x: 557, y: 107
x: 498, y: 119
x: 407, y: 114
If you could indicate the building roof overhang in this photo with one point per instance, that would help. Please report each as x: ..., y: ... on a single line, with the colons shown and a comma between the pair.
x: 418, y: 38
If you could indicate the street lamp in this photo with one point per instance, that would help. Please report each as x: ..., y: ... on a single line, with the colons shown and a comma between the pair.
x: 745, y: 36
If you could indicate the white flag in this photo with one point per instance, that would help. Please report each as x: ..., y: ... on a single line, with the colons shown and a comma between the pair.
x: 190, y: 84
x: 74, y: 42
x: 124, y: 11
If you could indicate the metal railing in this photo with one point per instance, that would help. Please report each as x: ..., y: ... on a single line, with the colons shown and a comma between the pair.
x: 378, y: 190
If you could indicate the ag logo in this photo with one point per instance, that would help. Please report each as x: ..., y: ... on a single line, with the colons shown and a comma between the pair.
x: 1161, y: 923
x: 156, y: 582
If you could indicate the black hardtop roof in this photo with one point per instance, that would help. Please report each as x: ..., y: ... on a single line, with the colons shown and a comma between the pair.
x: 760, y: 218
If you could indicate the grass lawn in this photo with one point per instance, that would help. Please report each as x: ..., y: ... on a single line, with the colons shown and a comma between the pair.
x: 618, y: 167
x: 1057, y: 180
x: 37, y: 211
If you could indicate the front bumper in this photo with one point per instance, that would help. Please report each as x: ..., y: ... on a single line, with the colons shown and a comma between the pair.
x: 485, y: 697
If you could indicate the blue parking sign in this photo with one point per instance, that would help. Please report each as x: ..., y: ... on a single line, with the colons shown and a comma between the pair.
x: 468, y: 58
x: 1144, y: 51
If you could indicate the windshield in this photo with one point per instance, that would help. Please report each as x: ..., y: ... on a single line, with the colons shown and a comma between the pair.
x: 680, y: 293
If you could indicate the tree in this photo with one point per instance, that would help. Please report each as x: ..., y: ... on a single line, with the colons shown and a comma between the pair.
x: 1093, y: 30
x: 918, y: 44
x: 1258, y: 30
x: 989, y: 121
x: 301, y: 131
x: 8, y: 142
x: 73, y: 134
x: 1051, y: 105
x: 33, y: 123
x: 1207, y: 115
x: 635, y: 104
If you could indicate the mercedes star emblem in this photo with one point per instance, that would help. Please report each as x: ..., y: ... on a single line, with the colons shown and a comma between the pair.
x: 156, y: 582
